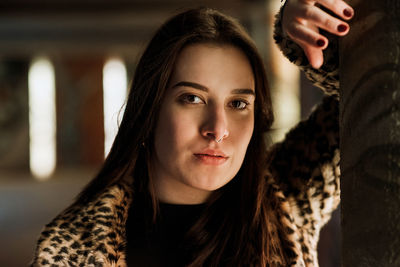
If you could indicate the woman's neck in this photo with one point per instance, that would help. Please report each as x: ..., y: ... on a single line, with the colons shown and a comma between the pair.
x: 172, y: 191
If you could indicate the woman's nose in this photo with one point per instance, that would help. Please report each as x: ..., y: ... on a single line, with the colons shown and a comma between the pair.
x: 215, y: 126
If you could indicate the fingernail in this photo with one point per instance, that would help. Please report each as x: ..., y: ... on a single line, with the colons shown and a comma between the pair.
x: 342, y: 28
x: 321, y: 43
x: 348, y: 12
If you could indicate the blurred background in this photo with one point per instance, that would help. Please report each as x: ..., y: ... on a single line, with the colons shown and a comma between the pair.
x: 65, y: 66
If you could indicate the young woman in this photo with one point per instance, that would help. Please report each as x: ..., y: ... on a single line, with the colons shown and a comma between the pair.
x: 188, y: 181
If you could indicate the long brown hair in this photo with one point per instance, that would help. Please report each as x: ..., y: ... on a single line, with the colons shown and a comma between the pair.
x: 240, y: 226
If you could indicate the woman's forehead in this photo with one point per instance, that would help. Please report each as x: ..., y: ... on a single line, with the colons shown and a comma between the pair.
x: 213, y: 65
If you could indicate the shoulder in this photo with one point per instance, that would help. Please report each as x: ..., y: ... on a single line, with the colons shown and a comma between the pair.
x: 87, y: 234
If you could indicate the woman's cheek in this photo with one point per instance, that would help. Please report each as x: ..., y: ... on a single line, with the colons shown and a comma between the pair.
x: 243, y: 126
x: 184, y: 124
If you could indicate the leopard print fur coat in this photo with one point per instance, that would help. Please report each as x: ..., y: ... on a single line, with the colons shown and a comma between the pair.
x: 304, y: 171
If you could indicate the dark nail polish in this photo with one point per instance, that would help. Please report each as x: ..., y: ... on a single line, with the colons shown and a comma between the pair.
x: 342, y: 28
x: 347, y: 12
x: 320, y: 43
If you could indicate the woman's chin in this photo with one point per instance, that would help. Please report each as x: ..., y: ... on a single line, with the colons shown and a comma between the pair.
x: 211, y: 184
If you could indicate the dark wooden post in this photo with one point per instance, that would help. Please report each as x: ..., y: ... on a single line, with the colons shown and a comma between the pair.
x: 370, y: 135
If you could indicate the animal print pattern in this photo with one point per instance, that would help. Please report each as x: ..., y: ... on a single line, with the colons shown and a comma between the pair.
x: 92, y: 235
x: 303, y: 171
x: 326, y: 77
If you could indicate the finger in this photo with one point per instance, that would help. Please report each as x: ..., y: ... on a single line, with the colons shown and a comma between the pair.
x: 316, y: 16
x: 339, y: 7
x: 306, y: 36
x: 312, y: 49
x: 314, y: 55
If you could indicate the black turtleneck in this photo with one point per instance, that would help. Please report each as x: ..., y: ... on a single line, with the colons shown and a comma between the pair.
x: 161, y: 244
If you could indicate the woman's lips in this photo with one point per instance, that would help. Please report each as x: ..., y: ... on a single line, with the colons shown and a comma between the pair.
x: 211, y: 157
x: 210, y: 160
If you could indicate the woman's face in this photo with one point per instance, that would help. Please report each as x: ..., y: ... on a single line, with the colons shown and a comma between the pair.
x: 205, y: 123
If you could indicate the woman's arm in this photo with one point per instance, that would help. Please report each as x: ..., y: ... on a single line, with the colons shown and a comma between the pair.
x: 306, y: 164
x: 307, y: 31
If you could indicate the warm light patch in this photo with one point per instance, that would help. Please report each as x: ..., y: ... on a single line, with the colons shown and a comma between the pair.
x: 114, y: 95
x: 42, y: 118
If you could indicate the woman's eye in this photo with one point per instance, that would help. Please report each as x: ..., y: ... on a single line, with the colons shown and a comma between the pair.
x: 239, y: 104
x: 191, y: 99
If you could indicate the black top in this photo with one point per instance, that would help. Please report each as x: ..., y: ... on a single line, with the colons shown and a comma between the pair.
x: 160, y: 244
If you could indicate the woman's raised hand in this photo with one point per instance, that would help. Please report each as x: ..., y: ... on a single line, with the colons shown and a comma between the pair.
x: 302, y: 20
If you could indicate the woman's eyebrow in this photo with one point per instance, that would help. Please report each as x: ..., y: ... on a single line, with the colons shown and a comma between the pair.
x: 243, y: 92
x: 192, y: 84
x: 204, y: 88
